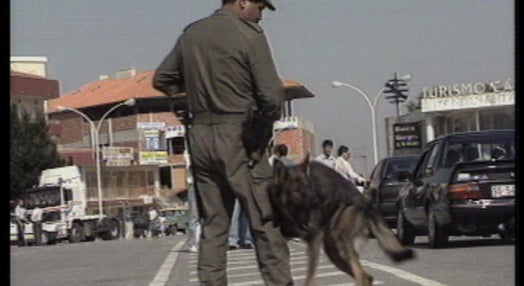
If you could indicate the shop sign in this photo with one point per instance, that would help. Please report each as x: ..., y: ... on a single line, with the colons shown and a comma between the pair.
x: 406, y: 135
x: 110, y: 153
x: 150, y: 125
x: 117, y: 156
x: 469, y: 101
x: 467, y: 89
x: 289, y: 122
x: 153, y: 157
x: 175, y: 131
x: 118, y: 163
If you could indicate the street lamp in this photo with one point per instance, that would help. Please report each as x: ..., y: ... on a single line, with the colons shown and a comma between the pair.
x: 96, y: 131
x: 372, y: 107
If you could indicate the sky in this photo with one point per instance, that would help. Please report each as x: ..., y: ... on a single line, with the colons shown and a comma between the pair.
x: 359, y: 42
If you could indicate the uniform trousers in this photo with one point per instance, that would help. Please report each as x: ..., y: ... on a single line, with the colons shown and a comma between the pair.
x: 220, y: 169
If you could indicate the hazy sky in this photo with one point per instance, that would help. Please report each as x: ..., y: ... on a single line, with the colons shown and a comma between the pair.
x: 360, y: 42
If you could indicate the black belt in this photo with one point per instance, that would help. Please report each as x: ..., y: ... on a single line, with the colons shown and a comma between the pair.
x: 209, y: 118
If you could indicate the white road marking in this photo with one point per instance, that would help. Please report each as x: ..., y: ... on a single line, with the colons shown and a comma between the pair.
x: 163, y: 273
x: 408, y: 276
x: 301, y: 259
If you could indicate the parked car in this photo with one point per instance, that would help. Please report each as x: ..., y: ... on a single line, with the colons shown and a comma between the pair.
x: 463, y: 184
x: 177, y: 219
x: 385, y: 182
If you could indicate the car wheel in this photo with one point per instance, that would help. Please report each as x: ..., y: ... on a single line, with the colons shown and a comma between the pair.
x: 89, y: 232
x: 405, y: 230
x: 173, y: 229
x: 507, y: 236
x: 437, y: 235
x: 76, y: 233
x: 113, y: 231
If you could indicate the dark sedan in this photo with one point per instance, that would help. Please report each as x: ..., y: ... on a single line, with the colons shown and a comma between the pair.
x: 385, y: 181
x: 463, y: 184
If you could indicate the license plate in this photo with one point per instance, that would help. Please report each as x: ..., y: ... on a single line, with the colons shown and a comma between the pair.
x: 499, y: 191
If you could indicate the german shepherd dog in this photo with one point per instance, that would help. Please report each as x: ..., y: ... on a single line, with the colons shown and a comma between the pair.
x: 315, y: 203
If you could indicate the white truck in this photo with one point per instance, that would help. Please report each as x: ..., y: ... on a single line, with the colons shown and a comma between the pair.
x: 61, y: 194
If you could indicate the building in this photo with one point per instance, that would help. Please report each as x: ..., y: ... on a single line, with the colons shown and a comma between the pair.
x: 29, y: 87
x: 453, y: 108
x: 144, y: 152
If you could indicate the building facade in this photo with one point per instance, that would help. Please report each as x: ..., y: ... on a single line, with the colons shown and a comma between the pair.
x: 453, y: 108
x: 143, y: 148
x: 29, y: 85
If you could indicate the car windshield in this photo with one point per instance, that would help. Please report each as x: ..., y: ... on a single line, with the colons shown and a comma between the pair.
x: 479, y: 148
x: 398, y: 165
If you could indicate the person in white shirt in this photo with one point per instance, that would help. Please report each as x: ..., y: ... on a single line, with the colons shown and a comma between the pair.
x: 20, y: 213
x: 344, y: 167
x: 326, y: 158
x: 162, y: 222
x: 153, y: 216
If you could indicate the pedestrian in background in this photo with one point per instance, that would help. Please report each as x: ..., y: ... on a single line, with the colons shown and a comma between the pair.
x: 21, y: 220
x: 280, y: 152
x: 326, y: 157
x: 36, y: 219
x: 224, y: 64
x: 193, y: 234
x: 239, y: 232
x: 344, y: 167
x: 153, y: 221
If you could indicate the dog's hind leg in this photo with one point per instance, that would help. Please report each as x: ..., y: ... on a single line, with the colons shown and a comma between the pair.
x: 348, y: 227
x: 313, y: 250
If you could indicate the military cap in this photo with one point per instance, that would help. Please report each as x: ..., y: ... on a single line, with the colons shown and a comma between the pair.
x: 270, y: 5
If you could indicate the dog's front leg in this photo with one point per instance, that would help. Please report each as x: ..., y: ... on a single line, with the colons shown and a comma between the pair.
x: 313, y: 249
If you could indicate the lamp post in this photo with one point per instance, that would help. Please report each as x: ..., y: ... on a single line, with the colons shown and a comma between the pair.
x: 372, y: 106
x: 96, y: 131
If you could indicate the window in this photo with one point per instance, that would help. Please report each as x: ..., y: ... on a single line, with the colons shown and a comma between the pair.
x: 177, y: 145
x: 497, y: 119
x: 137, y: 178
x: 376, y: 171
x: 150, y: 178
x: 432, y: 161
x: 428, y: 162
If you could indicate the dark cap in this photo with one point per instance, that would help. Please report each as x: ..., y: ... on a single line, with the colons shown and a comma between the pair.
x: 270, y: 5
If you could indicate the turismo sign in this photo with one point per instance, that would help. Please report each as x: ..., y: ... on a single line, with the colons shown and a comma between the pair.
x: 467, y: 89
x: 465, y: 96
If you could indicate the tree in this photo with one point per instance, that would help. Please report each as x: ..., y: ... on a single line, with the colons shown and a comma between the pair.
x: 413, y: 106
x: 32, y: 150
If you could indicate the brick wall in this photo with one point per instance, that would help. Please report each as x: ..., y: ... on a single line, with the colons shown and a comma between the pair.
x: 300, y: 142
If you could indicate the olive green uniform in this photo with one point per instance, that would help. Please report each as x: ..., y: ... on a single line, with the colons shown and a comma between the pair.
x: 224, y: 64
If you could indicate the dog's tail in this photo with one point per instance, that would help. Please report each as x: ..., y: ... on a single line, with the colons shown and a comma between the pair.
x: 386, y: 239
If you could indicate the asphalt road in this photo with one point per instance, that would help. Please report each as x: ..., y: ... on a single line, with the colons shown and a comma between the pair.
x: 166, y: 261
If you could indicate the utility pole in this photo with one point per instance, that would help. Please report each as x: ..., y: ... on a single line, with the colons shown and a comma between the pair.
x: 397, y: 91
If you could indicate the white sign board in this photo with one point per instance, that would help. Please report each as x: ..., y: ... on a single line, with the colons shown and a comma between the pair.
x: 431, y: 104
x: 150, y: 125
x: 175, y: 131
x: 153, y: 157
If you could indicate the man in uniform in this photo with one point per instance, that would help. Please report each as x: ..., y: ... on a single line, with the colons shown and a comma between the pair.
x: 224, y: 64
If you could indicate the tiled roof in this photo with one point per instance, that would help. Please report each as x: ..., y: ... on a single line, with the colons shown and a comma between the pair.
x: 112, y: 90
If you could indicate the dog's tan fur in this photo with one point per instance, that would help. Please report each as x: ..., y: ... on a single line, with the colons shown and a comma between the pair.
x: 316, y: 204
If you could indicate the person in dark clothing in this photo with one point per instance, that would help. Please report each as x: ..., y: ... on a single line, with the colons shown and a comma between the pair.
x: 224, y: 65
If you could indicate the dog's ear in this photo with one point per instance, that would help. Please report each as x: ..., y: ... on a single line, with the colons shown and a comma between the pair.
x: 279, y: 170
